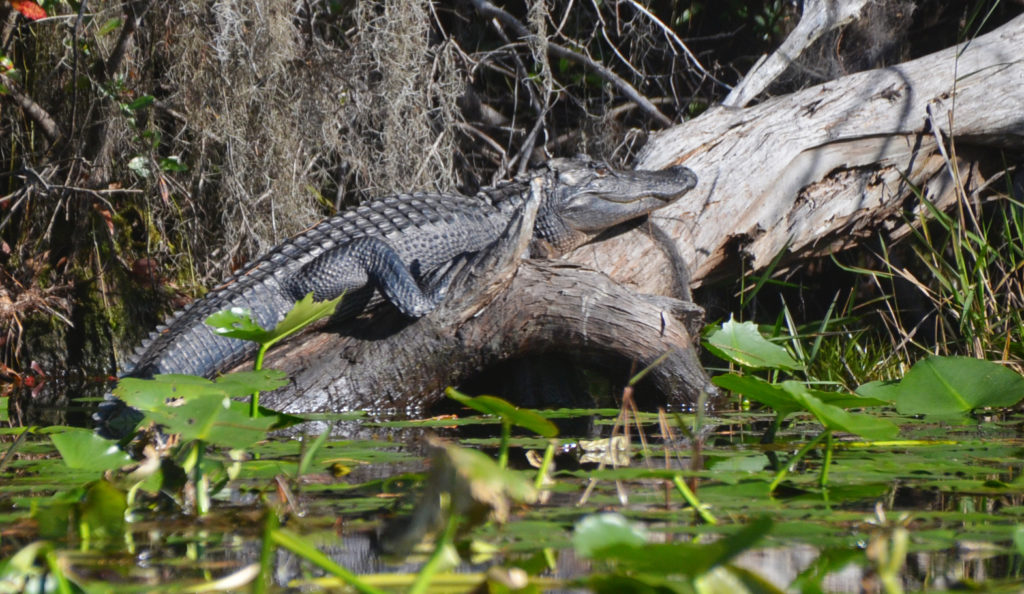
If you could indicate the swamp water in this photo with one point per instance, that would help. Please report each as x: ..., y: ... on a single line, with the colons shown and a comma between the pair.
x: 939, y: 508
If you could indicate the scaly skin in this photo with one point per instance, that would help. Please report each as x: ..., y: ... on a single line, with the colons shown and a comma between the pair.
x: 394, y: 247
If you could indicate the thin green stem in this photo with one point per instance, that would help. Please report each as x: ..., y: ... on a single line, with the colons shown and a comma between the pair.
x: 262, y: 581
x: 202, y: 481
x: 53, y: 563
x: 254, y: 402
x: 829, y: 447
x: 506, y: 436
x: 691, y: 498
x: 549, y: 455
x: 433, y: 564
x: 781, y: 475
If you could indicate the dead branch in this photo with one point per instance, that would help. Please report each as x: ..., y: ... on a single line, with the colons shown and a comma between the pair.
x: 825, y: 168
x: 489, y: 10
x: 819, y: 17
x: 33, y: 110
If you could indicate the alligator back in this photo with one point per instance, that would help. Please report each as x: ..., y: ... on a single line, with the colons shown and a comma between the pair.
x: 426, y: 230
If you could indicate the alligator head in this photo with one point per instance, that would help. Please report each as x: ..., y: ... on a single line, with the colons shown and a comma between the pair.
x: 585, y: 197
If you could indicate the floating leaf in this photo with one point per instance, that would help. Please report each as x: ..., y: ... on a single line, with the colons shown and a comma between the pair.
x: 82, y: 448
x: 743, y: 344
x: 950, y: 386
x: 508, y: 412
x: 751, y: 463
x: 215, y: 419
x: 616, y: 545
x: 602, y: 531
x: 198, y: 408
x: 156, y: 393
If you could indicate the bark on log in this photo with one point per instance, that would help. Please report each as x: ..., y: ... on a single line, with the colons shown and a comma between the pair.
x: 548, y: 305
x: 824, y: 168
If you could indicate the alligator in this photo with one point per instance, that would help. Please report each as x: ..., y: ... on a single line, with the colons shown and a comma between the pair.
x: 402, y: 249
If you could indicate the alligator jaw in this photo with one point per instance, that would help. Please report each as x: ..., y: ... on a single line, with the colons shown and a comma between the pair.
x: 598, y: 197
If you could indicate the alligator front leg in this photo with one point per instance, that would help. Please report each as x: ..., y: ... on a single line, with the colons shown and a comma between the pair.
x: 367, y: 262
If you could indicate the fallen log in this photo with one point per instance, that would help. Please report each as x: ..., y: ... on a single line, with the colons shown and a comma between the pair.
x: 825, y: 168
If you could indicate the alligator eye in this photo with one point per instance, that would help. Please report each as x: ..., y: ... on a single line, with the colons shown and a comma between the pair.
x: 601, y: 170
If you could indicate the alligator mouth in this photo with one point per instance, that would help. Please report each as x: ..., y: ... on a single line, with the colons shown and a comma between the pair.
x: 665, y: 185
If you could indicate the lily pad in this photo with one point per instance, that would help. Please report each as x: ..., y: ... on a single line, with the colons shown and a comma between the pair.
x: 83, y: 449
x: 950, y: 386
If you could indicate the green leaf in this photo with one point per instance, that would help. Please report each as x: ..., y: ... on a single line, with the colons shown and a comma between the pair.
x: 310, y: 449
x: 603, y: 531
x: 139, y: 166
x: 1018, y: 538
x: 743, y: 344
x: 487, y: 481
x: 781, y: 399
x: 109, y: 26
x: 750, y: 464
x: 198, y: 408
x: 837, y: 419
x: 215, y: 419
x: 847, y: 400
x: 82, y: 448
x: 243, y: 383
x: 172, y: 164
x: 520, y: 417
x: 239, y: 323
x: 757, y: 389
x: 140, y: 102
x: 172, y: 389
x: 950, y: 386
x: 101, y: 511
x: 617, y: 546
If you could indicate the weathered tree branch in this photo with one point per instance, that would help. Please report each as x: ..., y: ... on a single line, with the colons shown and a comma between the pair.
x: 822, y: 169
x: 547, y: 307
x: 819, y: 17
